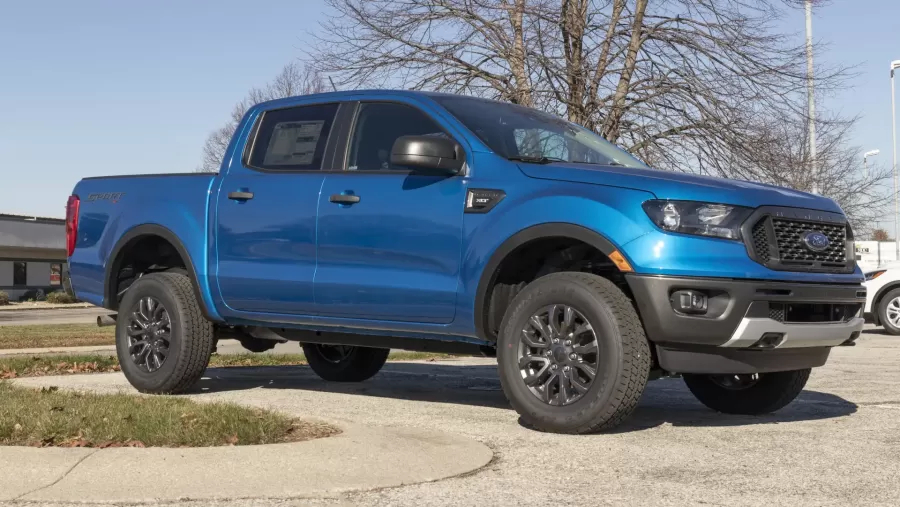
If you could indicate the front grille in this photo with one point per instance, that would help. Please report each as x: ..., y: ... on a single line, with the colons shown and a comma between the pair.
x: 776, y: 312
x: 804, y: 313
x: 788, y: 236
x: 777, y: 243
x: 761, y: 241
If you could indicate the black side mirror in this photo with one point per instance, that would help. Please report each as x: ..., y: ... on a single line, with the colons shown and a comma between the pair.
x: 428, y: 154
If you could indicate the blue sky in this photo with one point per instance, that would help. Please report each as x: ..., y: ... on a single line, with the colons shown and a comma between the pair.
x: 96, y: 87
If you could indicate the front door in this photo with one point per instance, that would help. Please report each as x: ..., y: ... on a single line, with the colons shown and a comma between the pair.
x: 389, y: 240
x: 266, y: 227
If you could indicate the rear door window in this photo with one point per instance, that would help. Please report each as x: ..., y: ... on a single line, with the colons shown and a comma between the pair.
x: 293, y: 139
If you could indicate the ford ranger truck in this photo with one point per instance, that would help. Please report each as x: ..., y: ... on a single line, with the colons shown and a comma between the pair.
x: 359, y: 222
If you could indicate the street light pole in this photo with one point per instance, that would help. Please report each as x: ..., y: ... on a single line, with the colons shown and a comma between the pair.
x: 866, y: 155
x: 811, y: 97
x: 895, y: 65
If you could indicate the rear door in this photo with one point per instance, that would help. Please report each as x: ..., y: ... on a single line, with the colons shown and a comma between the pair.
x: 389, y: 240
x: 266, y: 228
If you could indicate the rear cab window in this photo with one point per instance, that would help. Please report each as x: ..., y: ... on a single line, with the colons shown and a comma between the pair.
x: 292, y: 139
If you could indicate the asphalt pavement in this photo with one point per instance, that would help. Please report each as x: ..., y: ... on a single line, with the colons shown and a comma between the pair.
x: 837, y: 444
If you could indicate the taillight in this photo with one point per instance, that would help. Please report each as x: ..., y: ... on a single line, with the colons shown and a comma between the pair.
x: 72, y: 223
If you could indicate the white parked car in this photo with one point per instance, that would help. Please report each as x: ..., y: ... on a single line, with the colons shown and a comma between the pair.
x: 883, y: 298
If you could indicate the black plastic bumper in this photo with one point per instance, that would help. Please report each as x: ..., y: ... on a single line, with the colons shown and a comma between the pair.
x: 739, y: 313
x: 730, y: 302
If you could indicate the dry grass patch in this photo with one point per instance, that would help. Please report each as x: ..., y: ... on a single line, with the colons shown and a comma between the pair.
x: 55, y: 335
x: 50, y: 417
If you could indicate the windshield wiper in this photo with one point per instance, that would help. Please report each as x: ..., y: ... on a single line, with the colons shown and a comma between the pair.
x: 535, y: 160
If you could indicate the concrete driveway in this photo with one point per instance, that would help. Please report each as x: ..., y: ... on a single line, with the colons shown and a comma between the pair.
x: 838, y: 444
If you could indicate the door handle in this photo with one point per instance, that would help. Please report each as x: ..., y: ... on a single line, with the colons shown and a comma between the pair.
x: 344, y: 199
x: 240, y: 196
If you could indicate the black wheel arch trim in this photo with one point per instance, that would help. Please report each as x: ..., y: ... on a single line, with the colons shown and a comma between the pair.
x: 114, y: 263
x: 540, y: 231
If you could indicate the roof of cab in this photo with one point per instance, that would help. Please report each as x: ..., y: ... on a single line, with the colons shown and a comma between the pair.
x: 355, y: 94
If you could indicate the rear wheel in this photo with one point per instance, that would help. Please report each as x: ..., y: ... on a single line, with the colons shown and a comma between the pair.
x: 572, y: 352
x: 162, y: 339
x: 340, y: 363
x: 748, y: 394
x: 889, y: 312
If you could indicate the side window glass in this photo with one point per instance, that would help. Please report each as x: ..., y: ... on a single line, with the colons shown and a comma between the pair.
x: 293, y: 139
x: 378, y: 125
x: 541, y: 143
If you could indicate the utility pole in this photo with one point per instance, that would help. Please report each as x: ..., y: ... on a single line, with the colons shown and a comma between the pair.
x: 811, y: 97
x: 895, y: 65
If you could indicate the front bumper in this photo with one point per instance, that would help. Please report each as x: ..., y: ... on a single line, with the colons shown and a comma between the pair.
x: 741, y: 311
x: 751, y: 326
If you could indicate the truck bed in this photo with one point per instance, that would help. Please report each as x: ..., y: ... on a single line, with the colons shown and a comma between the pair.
x: 111, y: 206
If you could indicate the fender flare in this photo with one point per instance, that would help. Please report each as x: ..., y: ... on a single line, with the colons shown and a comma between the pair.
x: 548, y: 230
x: 113, y: 264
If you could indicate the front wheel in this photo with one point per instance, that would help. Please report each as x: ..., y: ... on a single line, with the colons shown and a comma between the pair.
x: 747, y: 394
x: 572, y: 353
x: 340, y: 363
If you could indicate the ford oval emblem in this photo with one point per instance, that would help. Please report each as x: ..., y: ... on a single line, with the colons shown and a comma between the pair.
x: 815, y: 241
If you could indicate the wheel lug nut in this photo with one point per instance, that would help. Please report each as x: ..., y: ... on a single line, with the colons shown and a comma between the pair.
x: 553, y: 366
x: 573, y: 356
x: 568, y: 342
x: 556, y: 340
x: 566, y: 368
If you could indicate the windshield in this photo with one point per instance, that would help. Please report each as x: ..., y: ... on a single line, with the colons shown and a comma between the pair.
x: 521, y: 133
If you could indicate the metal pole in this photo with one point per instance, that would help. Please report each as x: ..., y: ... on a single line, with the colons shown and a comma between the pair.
x: 894, y: 142
x: 866, y: 165
x: 811, y: 96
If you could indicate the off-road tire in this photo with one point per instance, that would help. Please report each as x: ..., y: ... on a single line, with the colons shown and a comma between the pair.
x: 882, y: 312
x: 773, y: 391
x: 624, y: 354
x: 361, y: 363
x: 192, y: 336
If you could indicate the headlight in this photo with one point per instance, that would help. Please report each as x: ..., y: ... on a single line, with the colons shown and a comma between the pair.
x: 871, y: 275
x: 700, y: 218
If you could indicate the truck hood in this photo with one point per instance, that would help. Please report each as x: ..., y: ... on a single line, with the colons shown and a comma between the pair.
x: 681, y: 186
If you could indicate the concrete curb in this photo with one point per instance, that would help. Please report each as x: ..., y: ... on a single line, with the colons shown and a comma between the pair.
x: 20, y: 308
x: 360, y: 458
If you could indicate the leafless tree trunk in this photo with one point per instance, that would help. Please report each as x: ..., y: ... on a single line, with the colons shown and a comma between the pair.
x: 294, y: 79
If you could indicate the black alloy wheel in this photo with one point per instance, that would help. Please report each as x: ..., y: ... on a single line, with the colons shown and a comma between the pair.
x: 149, y: 334
x: 558, y: 355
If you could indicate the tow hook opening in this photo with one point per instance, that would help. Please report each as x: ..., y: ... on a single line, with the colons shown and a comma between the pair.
x: 769, y: 341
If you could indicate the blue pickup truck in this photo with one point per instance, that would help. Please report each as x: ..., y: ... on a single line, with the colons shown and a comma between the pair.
x: 356, y: 222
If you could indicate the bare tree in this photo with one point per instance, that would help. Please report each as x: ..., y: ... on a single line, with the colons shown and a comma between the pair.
x: 777, y: 151
x: 671, y: 81
x: 698, y: 86
x: 294, y: 79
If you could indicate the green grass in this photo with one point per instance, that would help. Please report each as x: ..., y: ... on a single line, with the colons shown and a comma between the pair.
x: 55, y: 335
x: 38, y: 366
x: 49, y: 417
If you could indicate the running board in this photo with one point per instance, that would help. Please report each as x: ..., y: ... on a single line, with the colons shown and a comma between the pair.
x: 379, y: 342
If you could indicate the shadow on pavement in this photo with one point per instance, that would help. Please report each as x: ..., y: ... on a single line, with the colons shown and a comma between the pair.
x: 665, y: 401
